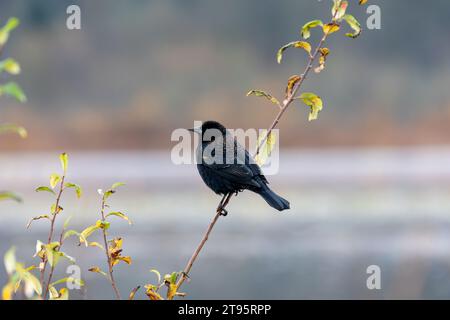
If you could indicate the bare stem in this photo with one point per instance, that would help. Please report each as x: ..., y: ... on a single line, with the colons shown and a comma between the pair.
x: 50, y: 238
x: 108, y: 257
x: 286, y: 103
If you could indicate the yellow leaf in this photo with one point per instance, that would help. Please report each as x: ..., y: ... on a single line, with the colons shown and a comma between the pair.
x: 64, y: 158
x: 30, y: 280
x: 295, y: 44
x: 87, y: 232
x: 323, y: 57
x: 266, y: 147
x: 97, y: 270
x: 172, y: 291
x: 120, y: 215
x: 54, y: 179
x: 133, y: 293
x: 314, y: 102
x: 151, y: 293
x: 291, y: 83
x: 259, y: 93
x: 53, y: 293
x: 330, y: 28
x: 125, y: 259
x: 8, y: 291
x: 361, y: 2
x: 63, y: 294
x: 96, y: 244
x: 52, y: 253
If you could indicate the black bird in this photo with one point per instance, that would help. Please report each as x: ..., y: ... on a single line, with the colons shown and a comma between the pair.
x: 226, y: 177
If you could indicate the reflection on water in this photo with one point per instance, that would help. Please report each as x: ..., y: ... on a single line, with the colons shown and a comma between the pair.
x: 350, y: 209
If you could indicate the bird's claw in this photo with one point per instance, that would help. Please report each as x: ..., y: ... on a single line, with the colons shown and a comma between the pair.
x: 223, y: 212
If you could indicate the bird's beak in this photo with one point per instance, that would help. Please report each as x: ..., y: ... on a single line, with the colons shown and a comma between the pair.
x: 196, y: 130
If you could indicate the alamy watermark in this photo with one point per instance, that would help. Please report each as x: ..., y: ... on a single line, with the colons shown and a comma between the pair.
x: 197, y: 148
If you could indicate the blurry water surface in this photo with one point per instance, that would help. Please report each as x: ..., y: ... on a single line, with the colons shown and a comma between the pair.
x: 350, y: 209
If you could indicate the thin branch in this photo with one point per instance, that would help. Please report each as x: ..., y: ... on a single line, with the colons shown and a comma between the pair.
x: 286, y: 103
x: 50, y: 238
x: 108, y: 257
x: 187, y: 269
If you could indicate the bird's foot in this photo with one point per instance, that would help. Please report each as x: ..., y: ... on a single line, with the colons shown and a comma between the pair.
x: 222, y: 211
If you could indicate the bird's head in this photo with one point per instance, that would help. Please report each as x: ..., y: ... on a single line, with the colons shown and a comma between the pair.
x: 209, y: 125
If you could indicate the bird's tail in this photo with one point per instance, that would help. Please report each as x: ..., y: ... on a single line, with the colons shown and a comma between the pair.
x: 274, y: 200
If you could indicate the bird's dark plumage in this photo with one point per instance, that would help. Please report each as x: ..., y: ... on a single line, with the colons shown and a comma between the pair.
x: 224, y: 177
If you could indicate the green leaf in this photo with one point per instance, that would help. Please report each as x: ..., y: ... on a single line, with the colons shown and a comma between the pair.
x: 6, y: 29
x: 157, y: 274
x: 314, y: 102
x: 68, y: 279
x: 39, y: 249
x: 10, y: 261
x: 70, y: 233
x: 9, y: 127
x: 306, y: 33
x: 52, y: 253
x: 108, y: 193
x: 120, y: 215
x: 87, y: 232
x: 354, y: 24
x: 70, y: 258
x: 103, y: 224
x: 77, y: 188
x: 56, y: 210
x: 54, y: 179
x: 46, y: 189
x: 259, y: 93
x: 174, y: 277
x: 339, y: 8
x: 6, y: 195
x: 116, y: 185
x: 66, y: 222
x: 12, y: 89
x: 29, y: 279
x: 295, y: 44
x: 64, y: 158
x: 265, y: 147
x: 10, y: 65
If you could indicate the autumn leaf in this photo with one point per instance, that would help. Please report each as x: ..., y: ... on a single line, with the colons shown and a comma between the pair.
x: 305, y: 31
x: 354, y: 24
x: 314, y: 102
x: 330, y: 28
x: 291, y: 84
x: 266, y: 147
x: 260, y: 93
x: 324, y: 52
x: 120, y: 215
x: 295, y: 44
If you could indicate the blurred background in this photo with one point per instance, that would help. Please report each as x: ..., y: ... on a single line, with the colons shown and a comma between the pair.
x: 369, y: 182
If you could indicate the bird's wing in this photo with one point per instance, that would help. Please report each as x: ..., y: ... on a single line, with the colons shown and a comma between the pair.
x: 243, y: 170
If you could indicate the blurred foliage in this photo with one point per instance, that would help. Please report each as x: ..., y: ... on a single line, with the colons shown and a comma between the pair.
x: 21, y: 278
x: 12, y: 67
